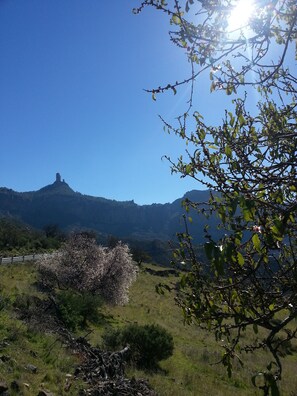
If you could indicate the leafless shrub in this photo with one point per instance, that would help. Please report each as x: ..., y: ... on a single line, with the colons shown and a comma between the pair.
x: 82, y: 265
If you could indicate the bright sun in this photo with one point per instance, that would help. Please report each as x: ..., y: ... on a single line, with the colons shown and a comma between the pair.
x: 240, y: 14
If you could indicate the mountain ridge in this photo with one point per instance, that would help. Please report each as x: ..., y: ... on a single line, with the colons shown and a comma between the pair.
x: 58, y: 203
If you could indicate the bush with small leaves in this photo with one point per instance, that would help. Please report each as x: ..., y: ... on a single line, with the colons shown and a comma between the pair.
x: 75, y: 309
x: 148, y: 344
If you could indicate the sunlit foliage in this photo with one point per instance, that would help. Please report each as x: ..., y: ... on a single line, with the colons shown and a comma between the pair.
x: 249, y: 163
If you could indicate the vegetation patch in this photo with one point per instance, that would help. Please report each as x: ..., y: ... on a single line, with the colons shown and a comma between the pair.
x: 75, y: 309
x: 190, y: 370
x: 148, y: 344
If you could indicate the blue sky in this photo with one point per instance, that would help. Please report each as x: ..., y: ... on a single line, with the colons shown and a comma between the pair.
x: 72, y: 74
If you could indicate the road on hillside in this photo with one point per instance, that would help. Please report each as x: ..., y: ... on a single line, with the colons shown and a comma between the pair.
x: 20, y: 259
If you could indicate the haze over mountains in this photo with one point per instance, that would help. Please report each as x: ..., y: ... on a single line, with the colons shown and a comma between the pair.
x: 58, y: 204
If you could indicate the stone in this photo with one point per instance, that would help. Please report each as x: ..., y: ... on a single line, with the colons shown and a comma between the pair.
x: 44, y: 392
x: 3, y: 387
x: 31, y: 368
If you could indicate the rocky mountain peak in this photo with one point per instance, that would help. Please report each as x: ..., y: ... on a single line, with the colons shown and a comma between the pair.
x: 58, y: 187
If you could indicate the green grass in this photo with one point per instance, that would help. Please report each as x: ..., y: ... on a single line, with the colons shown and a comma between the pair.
x: 190, y: 371
x: 22, y: 345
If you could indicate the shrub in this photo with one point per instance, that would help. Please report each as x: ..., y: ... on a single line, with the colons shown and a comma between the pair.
x: 74, y: 308
x: 148, y: 344
x: 83, y: 266
x: 4, y: 302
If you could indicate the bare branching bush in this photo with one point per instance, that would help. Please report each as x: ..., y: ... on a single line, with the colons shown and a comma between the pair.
x: 83, y: 266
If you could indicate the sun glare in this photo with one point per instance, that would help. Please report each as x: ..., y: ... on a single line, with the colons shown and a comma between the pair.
x: 240, y: 14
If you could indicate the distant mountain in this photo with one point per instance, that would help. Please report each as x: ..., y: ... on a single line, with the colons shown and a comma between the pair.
x: 58, y: 204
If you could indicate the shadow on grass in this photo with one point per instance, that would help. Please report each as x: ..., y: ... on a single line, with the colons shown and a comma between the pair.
x: 154, y: 368
x: 103, y: 319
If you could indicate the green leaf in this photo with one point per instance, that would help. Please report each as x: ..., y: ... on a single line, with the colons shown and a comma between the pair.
x: 276, y: 233
x: 201, y: 134
x: 247, y: 214
x: 188, y: 169
x: 238, y: 238
x: 228, y: 151
x: 256, y: 243
x: 232, y: 119
x: 176, y: 20
x: 241, y: 120
x: 278, y: 228
x: 240, y: 259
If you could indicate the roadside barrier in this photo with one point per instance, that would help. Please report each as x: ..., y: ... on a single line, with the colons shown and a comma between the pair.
x: 20, y: 259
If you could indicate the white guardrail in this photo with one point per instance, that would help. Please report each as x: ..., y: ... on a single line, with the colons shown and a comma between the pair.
x: 20, y: 259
